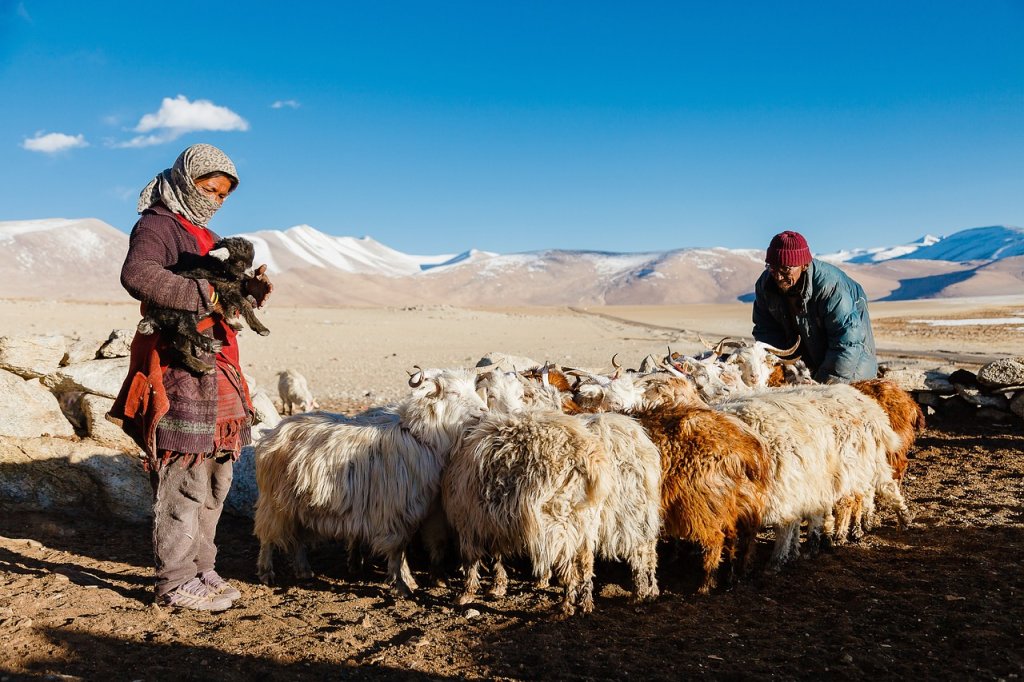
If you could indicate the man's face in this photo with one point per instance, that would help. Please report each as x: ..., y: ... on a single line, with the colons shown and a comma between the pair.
x: 786, y: 277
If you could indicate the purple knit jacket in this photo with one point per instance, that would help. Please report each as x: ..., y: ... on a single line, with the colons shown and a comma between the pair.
x: 156, y: 243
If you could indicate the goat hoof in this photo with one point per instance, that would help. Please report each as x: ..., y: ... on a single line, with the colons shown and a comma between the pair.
x: 402, y: 591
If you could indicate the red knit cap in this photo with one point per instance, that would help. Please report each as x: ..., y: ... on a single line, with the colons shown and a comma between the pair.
x: 788, y: 249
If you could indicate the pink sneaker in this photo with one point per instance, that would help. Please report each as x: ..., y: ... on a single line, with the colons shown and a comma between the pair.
x: 218, y: 586
x: 196, y: 596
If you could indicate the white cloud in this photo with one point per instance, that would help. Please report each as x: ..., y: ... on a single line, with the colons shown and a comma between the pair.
x: 179, y: 116
x: 51, y: 143
x: 282, y: 103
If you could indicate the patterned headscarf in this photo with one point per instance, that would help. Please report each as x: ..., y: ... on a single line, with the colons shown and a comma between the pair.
x: 175, y: 187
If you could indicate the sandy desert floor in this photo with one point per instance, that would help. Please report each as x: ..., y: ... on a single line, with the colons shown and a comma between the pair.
x: 363, y: 354
x: 943, y: 600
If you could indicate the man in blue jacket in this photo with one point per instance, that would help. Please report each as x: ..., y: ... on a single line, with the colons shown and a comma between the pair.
x: 799, y: 296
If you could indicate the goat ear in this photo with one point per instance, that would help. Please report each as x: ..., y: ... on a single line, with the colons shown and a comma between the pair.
x: 220, y: 254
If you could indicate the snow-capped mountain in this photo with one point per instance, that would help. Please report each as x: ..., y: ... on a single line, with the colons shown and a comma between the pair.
x: 81, y: 260
x: 978, y: 243
x: 881, y: 253
x: 304, y: 246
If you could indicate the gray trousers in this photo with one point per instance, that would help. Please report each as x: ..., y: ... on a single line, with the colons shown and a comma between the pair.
x: 187, y: 503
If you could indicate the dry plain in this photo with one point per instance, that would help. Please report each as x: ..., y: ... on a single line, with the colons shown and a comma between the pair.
x: 363, y: 354
x: 943, y: 600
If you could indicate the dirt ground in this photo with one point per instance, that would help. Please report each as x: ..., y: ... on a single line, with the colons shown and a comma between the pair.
x: 943, y: 600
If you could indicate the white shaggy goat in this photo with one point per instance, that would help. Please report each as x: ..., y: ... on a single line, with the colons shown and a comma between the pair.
x: 630, y: 516
x: 827, y: 443
x: 531, y: 483
x: 369, y: 482
x: 294, y: 391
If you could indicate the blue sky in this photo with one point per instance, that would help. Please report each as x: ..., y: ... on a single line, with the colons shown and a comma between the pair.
x: 519, y: 126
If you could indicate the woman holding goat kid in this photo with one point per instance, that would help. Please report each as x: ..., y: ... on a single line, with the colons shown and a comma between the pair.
x: 191, y: 425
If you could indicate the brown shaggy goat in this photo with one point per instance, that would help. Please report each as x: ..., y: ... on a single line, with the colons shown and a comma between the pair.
x: 715, y: 472
x: 905, y: 417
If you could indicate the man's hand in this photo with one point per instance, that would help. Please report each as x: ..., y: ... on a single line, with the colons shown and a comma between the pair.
x: 258, y: 286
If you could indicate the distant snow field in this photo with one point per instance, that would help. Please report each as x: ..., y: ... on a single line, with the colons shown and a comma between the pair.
x: 967, y: 323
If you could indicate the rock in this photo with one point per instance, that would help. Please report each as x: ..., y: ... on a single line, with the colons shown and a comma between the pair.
x: 99, y: 377
x: 956, y: 408
x: 31, y: 356
x: 52, y: 474
x: 122, y: 486
x: 928, y: 398
x: 472, y: 613
x: 28, y: 410
x: 995, y: 416
x: 79, y: 350
x: 241, y: 499
x: 914, y: 379
x: 266, y: 414
x: 95, y: 408
x: 506, y: 363
x: 964, y: 377
x: 974, y: 396
x: 71, y: 405
x: 1017, y: 405
x: 1003, y: 372
x: 117, y: 345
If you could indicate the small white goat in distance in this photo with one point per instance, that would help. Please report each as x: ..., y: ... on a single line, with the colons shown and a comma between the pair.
x: 294, y: 391
x: 370, y: 482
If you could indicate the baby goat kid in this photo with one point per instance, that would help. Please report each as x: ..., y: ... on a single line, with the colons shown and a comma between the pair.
x: 226, y: 267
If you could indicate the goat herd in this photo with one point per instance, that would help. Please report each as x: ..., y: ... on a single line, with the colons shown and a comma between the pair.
x: 561, y: 466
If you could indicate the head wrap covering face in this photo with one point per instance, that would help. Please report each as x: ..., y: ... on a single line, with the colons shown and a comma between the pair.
x: 176, y: 189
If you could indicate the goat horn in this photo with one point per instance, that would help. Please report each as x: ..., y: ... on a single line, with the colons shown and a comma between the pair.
x: 544, y: 375
x: 780, y: 352
x: 790, y: 361
x: 617, y: 366
x: 413, y: 375
x: 721, y: 344
x: 437, y: 389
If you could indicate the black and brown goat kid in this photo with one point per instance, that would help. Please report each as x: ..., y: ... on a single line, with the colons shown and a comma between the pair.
x: 227, y: 267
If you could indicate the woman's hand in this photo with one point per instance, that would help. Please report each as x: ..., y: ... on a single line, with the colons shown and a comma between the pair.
x: 258, y: 286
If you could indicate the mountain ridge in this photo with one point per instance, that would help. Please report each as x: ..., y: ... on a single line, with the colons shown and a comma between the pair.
x: 80, y: 260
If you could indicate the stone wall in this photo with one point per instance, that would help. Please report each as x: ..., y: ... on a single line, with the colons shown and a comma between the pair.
x: 59, y: 453
x: 995, y: 394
